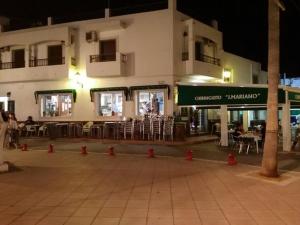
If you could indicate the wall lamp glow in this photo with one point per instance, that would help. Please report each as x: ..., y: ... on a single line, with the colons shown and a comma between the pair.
x: 78, y: 79
x: 227, y: 75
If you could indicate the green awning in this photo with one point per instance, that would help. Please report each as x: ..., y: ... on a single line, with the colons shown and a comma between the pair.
x: 93, y: 90
x: 221, y: 95
x: 149, y: 87
x: 294, y: 96
x: 63, y: 91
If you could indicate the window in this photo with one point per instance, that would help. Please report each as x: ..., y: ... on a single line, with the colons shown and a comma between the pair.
x: 150, y: 102
x: 254, y: 78
x: 55, y: 55
x: 107, y: 50
x: 110, y: 103
x: 198, y: 50
x: 18, y: 58
x: 56, y: 105
x: 227, y: 74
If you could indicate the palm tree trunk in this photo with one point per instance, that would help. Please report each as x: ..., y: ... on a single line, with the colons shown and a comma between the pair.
x: 269, y: 161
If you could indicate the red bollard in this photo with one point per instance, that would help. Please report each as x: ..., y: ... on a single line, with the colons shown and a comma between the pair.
x: 51, y: 148
x: 111, y: 151
x: 151, y: 153
x: 231, y: 159
x: 83, y: 150
x: 189, y: 155
x: 24, y: 147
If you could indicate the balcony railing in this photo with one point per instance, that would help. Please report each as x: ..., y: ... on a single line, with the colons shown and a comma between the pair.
x: 11, y: 65
x: 103, y: 58
x: 47, y: 62
x: 208, y: 59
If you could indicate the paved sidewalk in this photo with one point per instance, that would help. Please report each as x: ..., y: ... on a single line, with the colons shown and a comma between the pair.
x: 68, y: 188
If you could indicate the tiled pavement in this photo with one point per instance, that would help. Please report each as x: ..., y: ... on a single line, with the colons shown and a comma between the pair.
x: 68, y: 188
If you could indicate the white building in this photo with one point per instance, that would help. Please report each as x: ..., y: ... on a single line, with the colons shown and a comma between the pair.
x: 114, y: 67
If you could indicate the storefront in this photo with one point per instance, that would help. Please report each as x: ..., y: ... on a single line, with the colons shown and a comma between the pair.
x: 243, y: 104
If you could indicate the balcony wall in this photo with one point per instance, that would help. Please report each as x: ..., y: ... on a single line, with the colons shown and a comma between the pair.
x: 195, y: 67
x: 107, y: 68
x: 35, y: 35
x: 54, y: 72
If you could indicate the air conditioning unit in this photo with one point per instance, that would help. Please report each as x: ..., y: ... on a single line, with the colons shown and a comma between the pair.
x: 91, y: 36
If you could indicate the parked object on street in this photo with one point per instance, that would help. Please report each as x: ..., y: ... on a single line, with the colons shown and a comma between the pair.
x: 51, y: 148
x: 151, y: 153
x: 111, y: 151
x: 231, y: 159
x: 189, y: 155
x: 83, y: 150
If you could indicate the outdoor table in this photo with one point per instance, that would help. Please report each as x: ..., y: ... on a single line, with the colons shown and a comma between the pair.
x: 251, y: 137
x: 36, y: 127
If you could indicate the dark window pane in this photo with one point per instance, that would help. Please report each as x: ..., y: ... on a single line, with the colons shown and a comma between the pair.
x: 18, y: 56
x: 198, y: 50
x: 55, y: 55
x: 108, y: 50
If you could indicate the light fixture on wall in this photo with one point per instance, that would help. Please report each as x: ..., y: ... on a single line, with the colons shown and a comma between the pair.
x: 78, y: 79
x: 227, y: 73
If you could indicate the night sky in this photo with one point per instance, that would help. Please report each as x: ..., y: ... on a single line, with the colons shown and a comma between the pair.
x: 243, y: 22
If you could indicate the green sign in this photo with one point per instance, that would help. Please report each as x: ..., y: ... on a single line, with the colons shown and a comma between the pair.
x: 217, y: 95
x: 294, y: 96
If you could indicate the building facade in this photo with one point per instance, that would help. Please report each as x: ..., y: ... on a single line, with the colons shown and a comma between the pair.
x: 114, y: 67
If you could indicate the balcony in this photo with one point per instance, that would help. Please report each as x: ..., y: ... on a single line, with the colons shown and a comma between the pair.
x: 102, y: 58
x: 12, y: 65
x: 46, y: 62
x: 107, y: 65
x: 202, y: 65
x: 208, y: 59
x: 38, y: 70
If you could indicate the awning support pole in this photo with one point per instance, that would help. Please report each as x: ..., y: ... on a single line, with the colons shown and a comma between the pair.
x: 286, y: 127
x: 224, y: 127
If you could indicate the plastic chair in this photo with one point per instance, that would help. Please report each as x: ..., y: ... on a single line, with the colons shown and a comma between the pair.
x: 128, y: 129
x: 30, y: 130
x: 156, y: 128
x: 137, y: 129
x: 86, y: 128
x: 42, y: 130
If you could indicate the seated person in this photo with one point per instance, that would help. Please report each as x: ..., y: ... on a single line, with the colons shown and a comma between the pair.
x: 238, y: 130
x: 29, y: 121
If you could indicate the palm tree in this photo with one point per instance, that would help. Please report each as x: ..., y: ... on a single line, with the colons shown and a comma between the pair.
x: 269, y: 161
